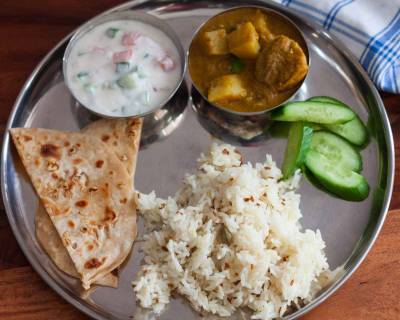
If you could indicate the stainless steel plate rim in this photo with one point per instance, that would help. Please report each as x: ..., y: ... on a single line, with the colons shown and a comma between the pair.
x: 86, y: 308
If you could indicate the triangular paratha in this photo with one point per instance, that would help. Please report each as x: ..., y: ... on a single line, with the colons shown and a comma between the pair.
x: 122, y: 136
x: 87, y: 193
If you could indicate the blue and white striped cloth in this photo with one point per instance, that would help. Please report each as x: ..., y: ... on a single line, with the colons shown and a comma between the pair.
x: 369, y: 28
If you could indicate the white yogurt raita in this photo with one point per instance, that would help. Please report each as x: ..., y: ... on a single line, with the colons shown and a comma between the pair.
x: 123, y: 68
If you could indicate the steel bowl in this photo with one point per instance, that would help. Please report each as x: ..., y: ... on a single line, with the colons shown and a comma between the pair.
x: 235, y: 123
x: 127, y: 15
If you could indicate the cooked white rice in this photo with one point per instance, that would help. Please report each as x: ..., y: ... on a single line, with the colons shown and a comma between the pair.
x: 230, y: 238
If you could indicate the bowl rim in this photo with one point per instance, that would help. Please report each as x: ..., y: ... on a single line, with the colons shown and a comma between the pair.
x: 121, y: 15
x: 276, y: 12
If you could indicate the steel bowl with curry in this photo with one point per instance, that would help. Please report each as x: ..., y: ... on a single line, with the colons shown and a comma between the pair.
x: 248, y: 59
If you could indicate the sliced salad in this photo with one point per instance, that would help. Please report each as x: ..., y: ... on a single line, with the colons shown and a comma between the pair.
x: 323, y: 141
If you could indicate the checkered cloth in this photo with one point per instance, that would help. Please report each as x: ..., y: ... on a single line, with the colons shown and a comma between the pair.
x: 369, y: 28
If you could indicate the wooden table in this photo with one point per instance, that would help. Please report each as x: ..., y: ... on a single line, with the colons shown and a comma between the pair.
x: 28, y: 30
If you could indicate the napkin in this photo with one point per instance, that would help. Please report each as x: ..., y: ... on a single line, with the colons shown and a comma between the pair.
x: 369, y: 28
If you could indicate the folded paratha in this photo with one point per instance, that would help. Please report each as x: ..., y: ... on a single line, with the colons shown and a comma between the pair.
x: 122, y: 136
x: 51, y: 242
x: 87, y: 193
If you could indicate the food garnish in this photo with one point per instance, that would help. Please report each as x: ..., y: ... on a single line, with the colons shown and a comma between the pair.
x: 317, y: 112
x: 331, y: 158
x: 354, y: 131
x: 299, y: 142
x: 343, y: 182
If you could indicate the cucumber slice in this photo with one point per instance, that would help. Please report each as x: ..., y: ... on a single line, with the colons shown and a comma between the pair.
x: 82, y: 75
x: 326, y: 99
x: 126, y: 82
x: 353, y: 131
x: 90, y: 87
x: 112, y: 32
x: 316, y: 127
x: 313, y: 180
x: 299, y: 141
x: 336, y: 150
x: 122, y: 67
x: 345, y: 183
x: 318, y: 112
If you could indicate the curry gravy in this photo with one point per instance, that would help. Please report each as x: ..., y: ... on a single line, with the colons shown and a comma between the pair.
x: 204, y: 68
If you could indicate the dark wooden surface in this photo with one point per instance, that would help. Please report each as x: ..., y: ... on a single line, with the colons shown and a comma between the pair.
x: 28, y: 30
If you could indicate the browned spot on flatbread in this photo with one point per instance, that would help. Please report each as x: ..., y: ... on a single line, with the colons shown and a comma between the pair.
x: 37, y: 162
x: 123, y: 201
x: 81, y: 203
x: 66, y: 239
x: 77, y: 161
x: 27, y: 138
x: 110, y: 215
x: 51, y: 208
x: 93, y: 263
x: 71, y: 224
x: 67, y: 143
x: 90, y: 247
x: 99, y: 163
x: 105, y: 137
x: 132, y: 128
x: 104, y: 190
x: 52, y: 166
x: 72, y: 150
x: 50, y: 150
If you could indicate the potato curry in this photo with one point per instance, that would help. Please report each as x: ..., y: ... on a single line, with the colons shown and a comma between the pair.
x: 247, y: 60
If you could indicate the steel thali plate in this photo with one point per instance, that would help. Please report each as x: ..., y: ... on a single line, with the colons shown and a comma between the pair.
x: 348, y: 228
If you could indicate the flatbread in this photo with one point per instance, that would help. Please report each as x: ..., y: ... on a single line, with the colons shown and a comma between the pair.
x: 122, y: 136
x: 51, y: 242
x: 87, y: 193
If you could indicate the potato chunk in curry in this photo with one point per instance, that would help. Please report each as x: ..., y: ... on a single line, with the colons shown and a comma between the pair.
x: 226, y: 88
x: 215, y: 42
x: 281, y: 65
x: 243, y: 42
x: 260, y: 23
